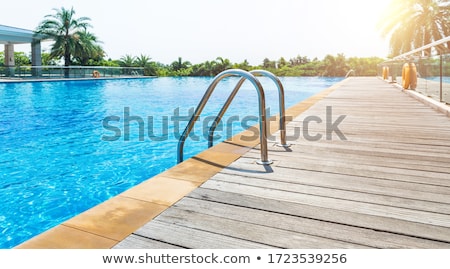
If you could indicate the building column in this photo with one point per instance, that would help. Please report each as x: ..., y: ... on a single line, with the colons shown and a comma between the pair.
x: 36, y: 58
x: 9, y: 60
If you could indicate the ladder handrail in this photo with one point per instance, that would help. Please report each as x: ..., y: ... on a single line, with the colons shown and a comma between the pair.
x: 282, y: 120
x: 207, y: 95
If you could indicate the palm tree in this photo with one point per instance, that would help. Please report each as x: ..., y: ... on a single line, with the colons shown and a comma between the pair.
x: 221, y: 65
x: 180, y: 64
x: 149, y: 66
x: 127, y: 61
x: 245, y: 65
x: 86, y: 48
x: 335, y: 66
x: 143, y: 60
x: 412, y: 24
x: 65, y: 30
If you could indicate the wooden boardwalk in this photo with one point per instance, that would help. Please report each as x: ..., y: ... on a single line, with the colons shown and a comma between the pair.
x: 386, y: 186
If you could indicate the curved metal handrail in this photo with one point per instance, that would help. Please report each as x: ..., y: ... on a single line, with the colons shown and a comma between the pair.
x: 207, y: 95
x: 349, y: 72
x: 282, y: 112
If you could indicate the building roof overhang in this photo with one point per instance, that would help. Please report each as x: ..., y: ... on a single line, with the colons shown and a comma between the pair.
x: 14, y: 35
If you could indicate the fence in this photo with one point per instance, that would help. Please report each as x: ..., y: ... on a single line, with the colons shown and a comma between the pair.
x: 58, y: 72
x: 432, y: 63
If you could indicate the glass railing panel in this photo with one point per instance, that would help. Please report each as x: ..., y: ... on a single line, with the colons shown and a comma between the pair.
x: 57, y: 72
x: 432, y: 63
x: 446, y: 78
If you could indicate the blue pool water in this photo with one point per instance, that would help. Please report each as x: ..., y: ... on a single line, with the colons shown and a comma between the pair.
x: 65, y: 146
x: 444, y: 79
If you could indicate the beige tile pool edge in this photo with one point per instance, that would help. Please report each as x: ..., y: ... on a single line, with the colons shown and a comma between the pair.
x: 106, y: 224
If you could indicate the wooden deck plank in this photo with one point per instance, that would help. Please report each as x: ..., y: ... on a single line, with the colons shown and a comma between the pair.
x: 367, y: 153
x: 410, y: 190
x: 440, y: 185
x: 300, y: 152
x: 367, y: 171
x: 334, y: 203
x: 140, y: 242
x: 375, y: 149
x: 271, y: 236
x: 193, y: 238
x: 387, y: 224
x: 355, y: 235
x: 350, y: 195
x: 386, y: 186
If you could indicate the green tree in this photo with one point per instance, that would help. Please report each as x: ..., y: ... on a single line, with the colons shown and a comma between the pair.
x: 142, y: 60
x: 222, y: 65
x: 47, y: 59
x: 411, y: 24
x: 299, y: 60
x: 150, y: 68
x: 65, y: 30
x: 282, y: 62
x: 86, y: 48
x: 364, y: 66
x: 21, y: 59
x: 335, y: 66
x: 205, y: 69
x: 245, y: 65
x: 180, y: 68
x: 180, y: 64
x: 127, y: 61
x: 109, y: 62
x: 269, y: 64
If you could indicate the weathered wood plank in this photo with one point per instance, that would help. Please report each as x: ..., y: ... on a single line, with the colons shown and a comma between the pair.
x: 273, y: 236
x: 193, y: 238
x: 364, y: 196
x: 364, y: 154
x: 138, y: 242
x: 333, y: 203
x: 301, y: 153
x: 400, y: 158
x: 387, y: 224
x: 356, y: 235
x: 376, y: 147
x: 404, y: 189
x: 362, y: 171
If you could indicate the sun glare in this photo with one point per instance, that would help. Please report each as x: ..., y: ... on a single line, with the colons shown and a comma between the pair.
x: 348, y: 26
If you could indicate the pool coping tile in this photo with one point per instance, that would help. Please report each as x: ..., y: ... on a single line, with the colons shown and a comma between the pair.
x: 116, y: 218
x: 64, y: 237
x: 161, y: 190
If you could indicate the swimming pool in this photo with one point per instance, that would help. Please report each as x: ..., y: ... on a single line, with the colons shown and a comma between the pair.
x: 68, y: 146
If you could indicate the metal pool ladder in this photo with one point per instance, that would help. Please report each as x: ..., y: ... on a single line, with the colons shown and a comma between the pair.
x: 262, y: 110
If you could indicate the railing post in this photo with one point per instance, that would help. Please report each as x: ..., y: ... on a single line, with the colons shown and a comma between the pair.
x: 441, y: 74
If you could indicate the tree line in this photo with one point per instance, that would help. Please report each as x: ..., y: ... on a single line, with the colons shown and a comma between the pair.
x: 330, y: 66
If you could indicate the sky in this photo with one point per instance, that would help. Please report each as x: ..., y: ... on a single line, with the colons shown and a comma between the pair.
x: 202, y: 30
